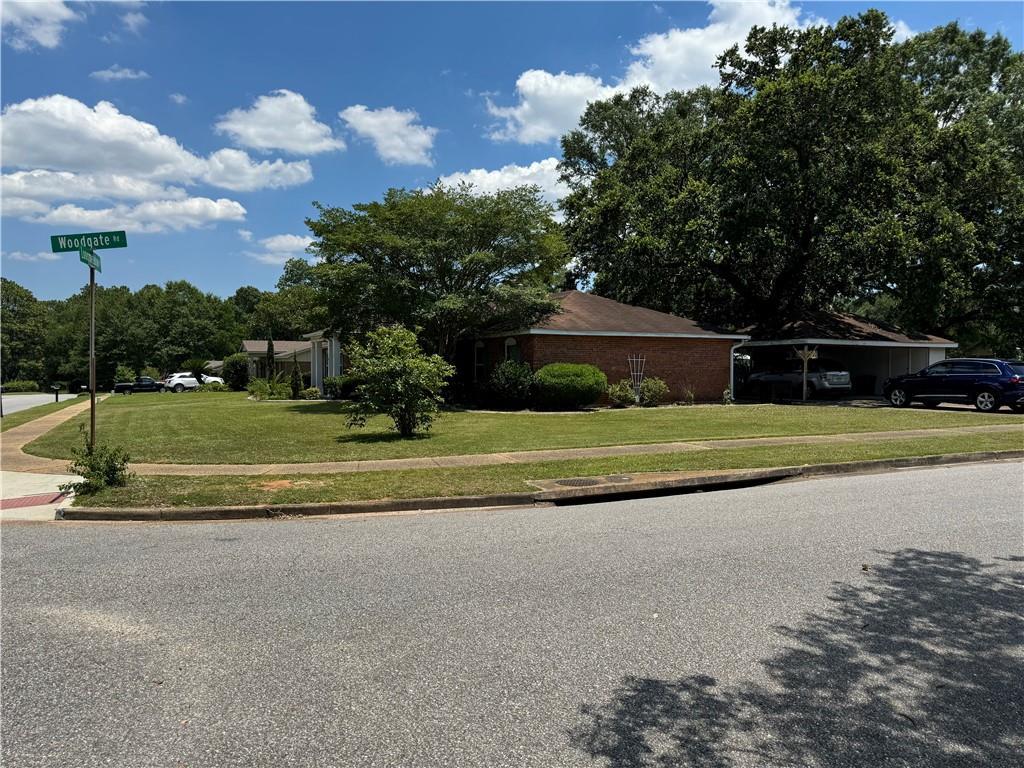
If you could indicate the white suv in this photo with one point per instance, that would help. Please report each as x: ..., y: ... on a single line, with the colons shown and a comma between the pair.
x: 179, y: 382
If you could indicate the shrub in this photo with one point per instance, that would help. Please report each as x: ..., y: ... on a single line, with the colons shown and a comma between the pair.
x: 213, y: 386
x: 568, y: 386
x: 259, y: 389
x: 687, y: 396
x: 310, y: 393
x: 295, y: 383
x: 269, y: 389
x: 622, y: 395
x: 197, y: 366
x: 124, y: 373
x: 151, y: 372
x: 727, y: 396
x: 21, y: 385
x: 653, y: 391
x: 397, y: 379
x: 236, y: 371
x: 99, y: 467
x: 511, y: 384
x: 333, y: 387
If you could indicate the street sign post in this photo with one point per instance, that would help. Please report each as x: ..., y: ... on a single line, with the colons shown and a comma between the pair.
x: 86, y: 244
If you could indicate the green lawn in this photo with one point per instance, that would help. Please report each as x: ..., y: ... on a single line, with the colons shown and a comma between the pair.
x: 31, y: 414
x: 165, y: 491
x: 227, y: 428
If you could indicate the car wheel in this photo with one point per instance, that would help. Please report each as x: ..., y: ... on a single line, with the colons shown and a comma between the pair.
x: 179, y: 388
x: 898, y: 398
x: 986, y: 402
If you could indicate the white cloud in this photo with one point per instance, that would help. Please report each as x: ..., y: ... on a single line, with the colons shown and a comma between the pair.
x: 43, y: 185
x: 395, y: 134
x: 117, y: 72
x: 28, y: 24
x: 152, y: 216
x: 178, y: 98
x: 548, y: 105
x: 279, y: 248
x: 281, y: 120
x: 39, y: 256
x: 234, y: 169
x: 245, y: 234
x: 134, y: 21
x: 902, y: 31
x: 543, y: 173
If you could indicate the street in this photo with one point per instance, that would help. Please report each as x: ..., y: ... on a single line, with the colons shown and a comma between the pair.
x: 852, y: 621
x: 20, y: 402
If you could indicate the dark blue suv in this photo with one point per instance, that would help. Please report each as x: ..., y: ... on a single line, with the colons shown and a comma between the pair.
x: 987, y: 382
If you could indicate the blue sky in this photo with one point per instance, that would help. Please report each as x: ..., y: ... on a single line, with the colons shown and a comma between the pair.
x: 207, y: 129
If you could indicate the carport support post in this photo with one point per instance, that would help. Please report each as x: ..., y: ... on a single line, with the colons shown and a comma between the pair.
x: 92, y: 358
x: 805, y: 356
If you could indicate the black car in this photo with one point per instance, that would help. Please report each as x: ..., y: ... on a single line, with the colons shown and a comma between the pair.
x: 141, y: 384
x: 989, y: 383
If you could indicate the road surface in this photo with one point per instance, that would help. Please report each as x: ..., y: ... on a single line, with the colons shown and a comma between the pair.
x: 21, y: 402
x: 854, y: 621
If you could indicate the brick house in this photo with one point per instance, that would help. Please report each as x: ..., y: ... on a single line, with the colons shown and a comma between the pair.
x: 606, y: 333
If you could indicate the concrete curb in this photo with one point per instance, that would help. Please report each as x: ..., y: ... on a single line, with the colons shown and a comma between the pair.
x: 690, y: 484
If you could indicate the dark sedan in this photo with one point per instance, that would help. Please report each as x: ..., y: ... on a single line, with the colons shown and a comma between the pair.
x: 141, y: 384
x: 988, y: 383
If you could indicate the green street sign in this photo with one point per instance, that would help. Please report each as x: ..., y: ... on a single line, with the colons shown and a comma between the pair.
x: 88, y: 240
x: 90, y: 258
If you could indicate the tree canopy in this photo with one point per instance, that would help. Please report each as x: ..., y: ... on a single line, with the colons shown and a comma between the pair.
x: 829, y: 168
x: 445, y: 260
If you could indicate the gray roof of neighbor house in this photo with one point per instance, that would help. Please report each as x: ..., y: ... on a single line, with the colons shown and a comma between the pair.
x: 840, y: 327
x: 259, y: 346
x: 587, y: 314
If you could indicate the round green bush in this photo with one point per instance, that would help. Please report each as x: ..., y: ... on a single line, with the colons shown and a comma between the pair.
x: 568, y: 386
x: 653, y: 391
x: 20, y: 385
x: 621, y: 395
x: 235, y: 371
x: 511, y: 384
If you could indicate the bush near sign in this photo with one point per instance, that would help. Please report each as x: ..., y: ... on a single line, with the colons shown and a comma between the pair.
x: 89, y: 240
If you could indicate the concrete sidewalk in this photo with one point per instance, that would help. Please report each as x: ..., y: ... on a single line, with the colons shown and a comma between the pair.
x: 28, y: 496
x: 14, y: 459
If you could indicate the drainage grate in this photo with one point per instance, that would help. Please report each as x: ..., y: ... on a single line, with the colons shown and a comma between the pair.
x: 619, y: 479
x: 578, y: 482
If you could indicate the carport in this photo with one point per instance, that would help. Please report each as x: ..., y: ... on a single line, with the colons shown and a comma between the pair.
x: 870, y: 351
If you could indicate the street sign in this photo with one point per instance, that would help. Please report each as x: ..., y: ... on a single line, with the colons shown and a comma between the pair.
x: 89, y: 240
x: 90, y: 258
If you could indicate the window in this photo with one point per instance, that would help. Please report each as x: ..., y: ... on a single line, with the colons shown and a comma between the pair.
x: 512, y: 350
x: 939, y: 369
x: 479, y: 361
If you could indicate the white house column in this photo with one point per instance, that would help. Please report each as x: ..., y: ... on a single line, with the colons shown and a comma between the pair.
x: 316, y: 374
x: 333, y: 357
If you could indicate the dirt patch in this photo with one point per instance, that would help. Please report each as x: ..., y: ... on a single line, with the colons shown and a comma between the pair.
x: 275, y: 485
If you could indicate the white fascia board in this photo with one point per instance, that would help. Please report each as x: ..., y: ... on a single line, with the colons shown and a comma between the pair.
x: 853, y: 343
x: 627, y: 334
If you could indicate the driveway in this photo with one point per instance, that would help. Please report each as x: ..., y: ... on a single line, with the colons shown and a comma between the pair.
x: 852, y: 621
x: 17, y: 402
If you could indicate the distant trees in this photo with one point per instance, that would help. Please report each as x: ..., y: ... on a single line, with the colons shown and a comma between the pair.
x: 22, y: 330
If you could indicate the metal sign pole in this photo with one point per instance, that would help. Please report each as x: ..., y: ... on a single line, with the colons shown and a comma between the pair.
x: 92, y: 357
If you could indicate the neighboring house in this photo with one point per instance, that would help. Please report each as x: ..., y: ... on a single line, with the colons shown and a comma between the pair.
x: 256, y: 350
x: 617, y: 338
x: 870, y: 351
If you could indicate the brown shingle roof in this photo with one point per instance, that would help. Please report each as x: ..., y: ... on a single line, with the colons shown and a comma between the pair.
x: 839, y: 326
x: 586, y: 313
x: 259, y: 346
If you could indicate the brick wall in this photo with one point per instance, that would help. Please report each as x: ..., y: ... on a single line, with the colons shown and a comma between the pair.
x: 698, y: 364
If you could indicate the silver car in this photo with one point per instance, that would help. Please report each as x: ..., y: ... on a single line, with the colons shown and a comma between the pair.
x: 824, y: 377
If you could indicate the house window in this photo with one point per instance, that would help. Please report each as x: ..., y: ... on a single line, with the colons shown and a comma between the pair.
x: 479, y: 361
x: 512, y: 350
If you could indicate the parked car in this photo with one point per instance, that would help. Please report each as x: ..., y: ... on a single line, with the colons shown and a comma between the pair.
x: 988, y: 383
x: 212, y: 380
x: 824, y: 377
x: 179, y: 382
x: 141, y: 384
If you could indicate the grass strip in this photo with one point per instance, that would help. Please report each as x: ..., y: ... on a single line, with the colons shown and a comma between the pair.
x: 227, y: 490
x: 226, y: 428
x: 18, y: 418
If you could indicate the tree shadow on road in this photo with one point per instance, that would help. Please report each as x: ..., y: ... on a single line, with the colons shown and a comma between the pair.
x: 921, y: 664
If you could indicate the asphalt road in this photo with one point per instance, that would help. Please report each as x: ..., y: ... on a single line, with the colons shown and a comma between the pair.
x: 856, y: 621
x: 20, y: 402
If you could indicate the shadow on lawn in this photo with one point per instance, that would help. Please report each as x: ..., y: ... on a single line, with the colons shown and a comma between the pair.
x: 319, y: 407
x: 920, y: 665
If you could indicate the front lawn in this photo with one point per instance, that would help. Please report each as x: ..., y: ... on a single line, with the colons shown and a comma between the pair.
x: 217, y: 428
x: 226, y: 490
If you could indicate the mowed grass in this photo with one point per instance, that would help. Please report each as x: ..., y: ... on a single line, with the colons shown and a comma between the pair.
x: 18, y: 418
x: 224, y: 490
x: 227, y: 428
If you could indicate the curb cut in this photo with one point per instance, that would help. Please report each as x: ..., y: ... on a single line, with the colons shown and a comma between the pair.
x: 692, y: 484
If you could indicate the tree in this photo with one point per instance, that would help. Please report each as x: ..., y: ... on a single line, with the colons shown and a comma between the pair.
x: 446, y: 260
x: 396, y: 379
x: 199, y: 367
x: 296, y: 380
x: 22, y: 330
x: 782, y: 189
x: 271, y: 362
x: 236, y: 371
